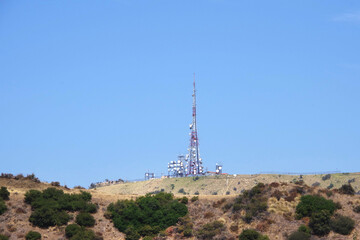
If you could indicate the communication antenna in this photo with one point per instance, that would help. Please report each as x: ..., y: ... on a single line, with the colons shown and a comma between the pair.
x: 177, y: 168
x: 193, y: 159
x: 149, y: 175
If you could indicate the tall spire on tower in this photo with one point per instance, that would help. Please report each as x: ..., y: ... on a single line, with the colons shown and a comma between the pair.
x: 194, y: 161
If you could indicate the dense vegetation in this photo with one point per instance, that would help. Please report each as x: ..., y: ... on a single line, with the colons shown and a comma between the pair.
x: 252, y: 201
x: 50, y: 206
x: 146, y: 215
x: 250, y: 234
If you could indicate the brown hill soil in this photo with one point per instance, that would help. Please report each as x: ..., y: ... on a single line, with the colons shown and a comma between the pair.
x: 277, y: 222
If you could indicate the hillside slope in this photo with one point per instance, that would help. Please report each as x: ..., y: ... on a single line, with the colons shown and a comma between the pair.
x: 226, y: 184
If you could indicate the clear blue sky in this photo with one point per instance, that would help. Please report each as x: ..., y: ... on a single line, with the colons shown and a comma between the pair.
x: 102, y: 89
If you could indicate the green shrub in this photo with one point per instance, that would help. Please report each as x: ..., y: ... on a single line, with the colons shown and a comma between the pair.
x: 32, y: 235
x: 185, y: 226
x: 342, y: 224
x: 181, y: 190
x: 184, y: 200
x: 147, y: 230
x: 4, y: 193
x: 84, y: 234
x: 320, y: 223
x: 71, y: 230
x: 62, y: 218
x: 32, y: 195
x: 347, y: 189
x: 299, y: 236
x: 326, y: 177
x: 3, y: 237
x: 159, y: 211
x: 250, y: 234
x: 147, y: 238
x: 210, y: 230
x: 196, y: 193
x: 194, y: 198
x: 85, y: 219
x: 310, y: 204
x: 304, y: 229
x: 3, y: 207
x: 131, y: 234
x: 76, y: 232
x: 187, y: 232
x: 356, y: 209
x: 43, y: 217
x: 252, y: 201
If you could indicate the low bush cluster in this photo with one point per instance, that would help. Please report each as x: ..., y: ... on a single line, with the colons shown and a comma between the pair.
x: 356, y: 209
x: 185, y: 226
x: 342, y: 224
x: 184, y: 200
x: 76, y: 232
x: 51, y: 205
x: 146, y: 215
x: 303, y: 233
x: 194, y: 198
x: 32, y: 235
x: 210, y: 230
x: 326, y: 177
x: 251, y: 234
x: 20, y: 176
x: 320, y: 211
x: 181, y: 190
x: 252, y: 201
x: 347, y: 189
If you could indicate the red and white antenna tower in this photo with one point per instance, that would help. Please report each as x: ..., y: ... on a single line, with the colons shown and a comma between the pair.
x: 194, y: 162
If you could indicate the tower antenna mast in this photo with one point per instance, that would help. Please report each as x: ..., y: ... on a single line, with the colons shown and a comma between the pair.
x: 194, y: 161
